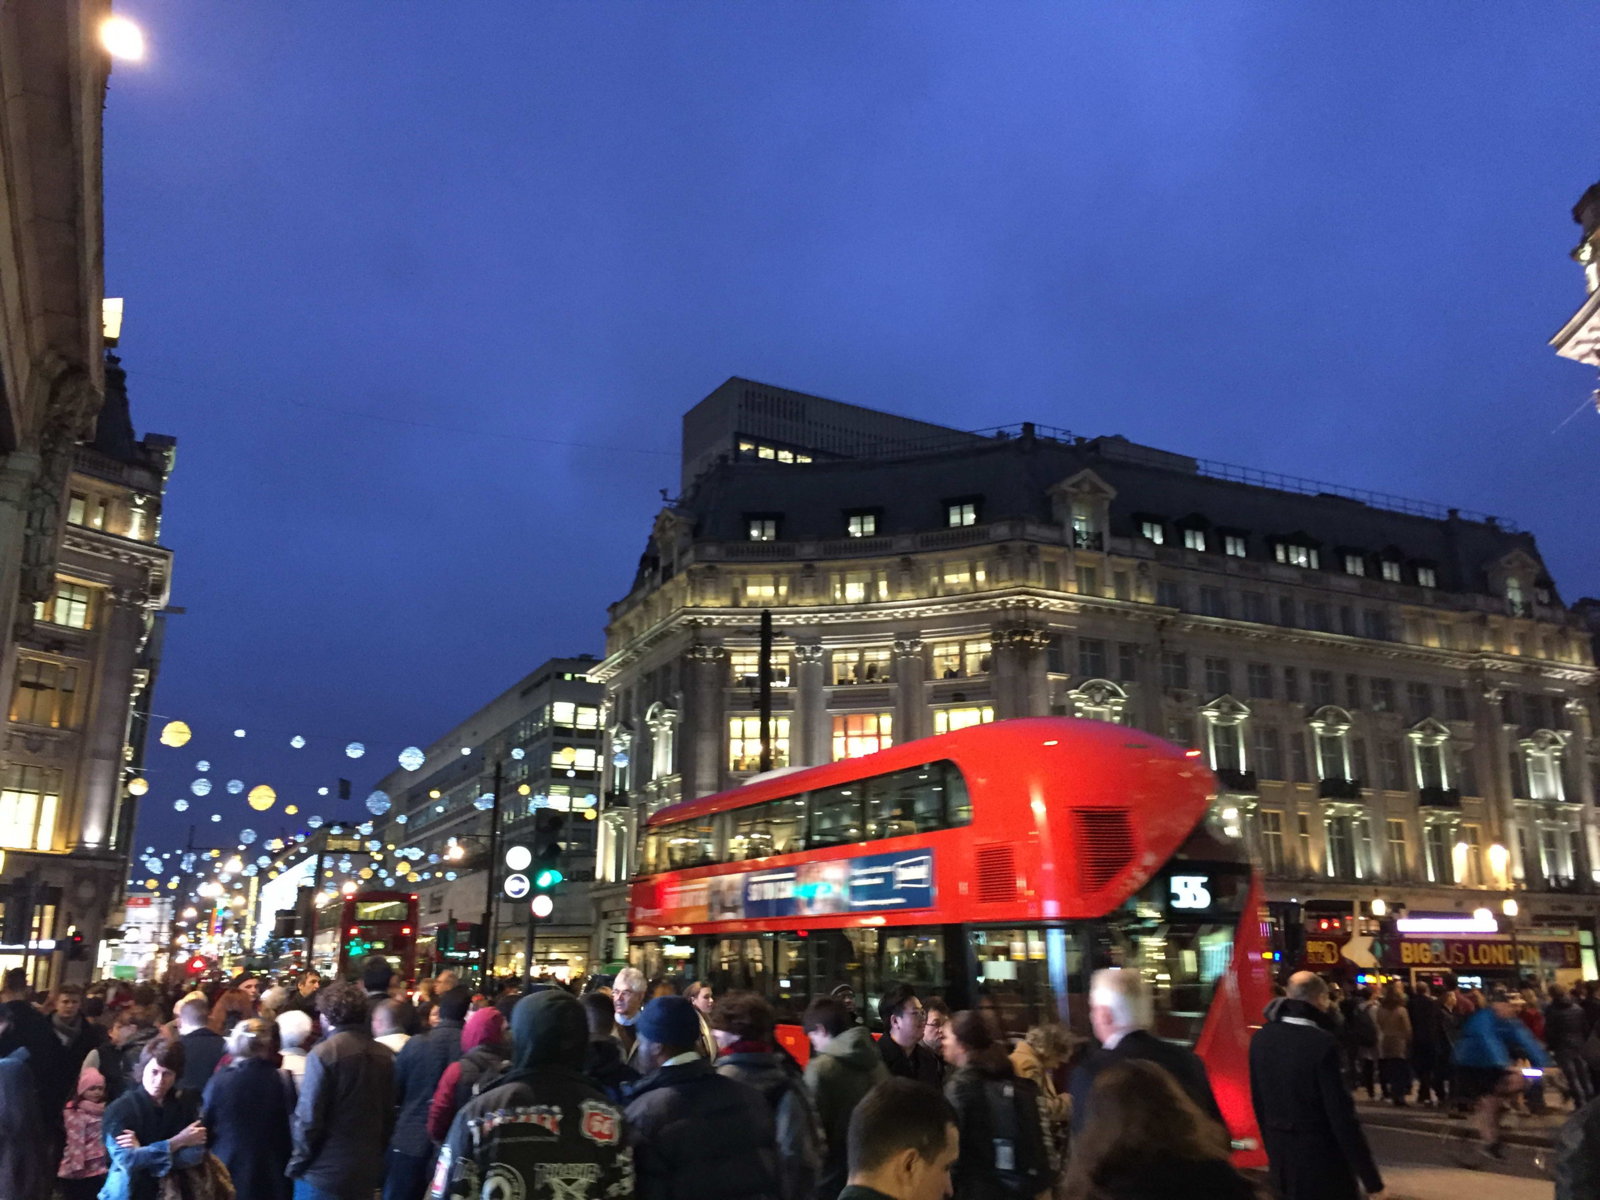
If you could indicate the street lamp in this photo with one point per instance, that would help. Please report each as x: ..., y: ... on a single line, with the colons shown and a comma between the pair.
x: 1379, y: 907
x: 121, y: 38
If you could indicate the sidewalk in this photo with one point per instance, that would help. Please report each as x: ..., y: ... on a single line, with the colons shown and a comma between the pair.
x: 1530, y: 1130
x: 1416, y: 1182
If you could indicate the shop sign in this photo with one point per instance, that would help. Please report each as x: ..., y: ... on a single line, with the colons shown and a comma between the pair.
x: 1455, y: 954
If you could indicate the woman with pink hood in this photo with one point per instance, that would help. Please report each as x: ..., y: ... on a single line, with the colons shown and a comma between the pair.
x: 483, y: 1045
x: 83, y: 1160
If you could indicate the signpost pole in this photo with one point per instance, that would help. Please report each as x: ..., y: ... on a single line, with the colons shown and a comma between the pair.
x: 489, y: 898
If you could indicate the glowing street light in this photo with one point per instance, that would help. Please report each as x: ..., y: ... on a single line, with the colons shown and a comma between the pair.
x: 121, y: 38
x: 1508, y: 906
x: 1380, y: 907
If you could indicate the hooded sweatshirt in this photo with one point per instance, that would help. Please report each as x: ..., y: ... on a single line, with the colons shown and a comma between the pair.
x: 84, y: 1156
x: 543, y: 1120
x: 483, y: 1054
x: 837, y: 1078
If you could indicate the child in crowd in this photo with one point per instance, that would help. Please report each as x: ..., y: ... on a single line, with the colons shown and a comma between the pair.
x: 83, y: 1161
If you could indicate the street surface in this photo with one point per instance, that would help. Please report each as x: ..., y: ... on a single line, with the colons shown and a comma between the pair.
x: 1415, y: 1165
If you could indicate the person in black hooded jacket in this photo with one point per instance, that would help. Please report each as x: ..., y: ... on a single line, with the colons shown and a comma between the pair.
x: 543, y: 1122
x: 603, y: 1061
x: 743, y: 1025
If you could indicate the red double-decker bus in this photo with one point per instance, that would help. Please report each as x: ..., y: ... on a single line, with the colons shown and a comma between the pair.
x: 997, y: 866
x: 352, y: 926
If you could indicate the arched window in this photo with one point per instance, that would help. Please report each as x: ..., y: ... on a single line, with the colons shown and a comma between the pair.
x: 1542, y: 753
x: 1430, y: 756
x: 663, y: 723
x: 1097, y: 700
x: 1225, y: 720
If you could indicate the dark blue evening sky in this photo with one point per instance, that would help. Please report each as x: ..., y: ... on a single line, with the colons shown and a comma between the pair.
x: 424, y: 288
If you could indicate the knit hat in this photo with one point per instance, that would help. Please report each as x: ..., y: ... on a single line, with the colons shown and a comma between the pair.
x: 669, y: 1021
x: 484, y: 1027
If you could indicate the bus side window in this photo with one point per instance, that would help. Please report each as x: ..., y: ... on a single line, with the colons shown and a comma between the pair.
x: 957, y: 801
x: 835, y: 816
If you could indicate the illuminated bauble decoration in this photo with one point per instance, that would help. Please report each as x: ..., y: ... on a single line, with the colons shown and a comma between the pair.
x: 175, y: 733
x: 355, y: 750
x: 412, y: 758
x: 466, y: 750
x: 152, y: 883
x: 519, y: 754
x: 251, y: 870
x: 180, y: 806
x: 450, y: 875
x: 364, y: 829
x: 619, y: 759
x: 365, y: 872
x: 263, y: 860
x: 235, y: 786
x: 201, y: 787
x: 202, y: 766
x: 322, y: 791
x: 291, y: 809
x: 345, y: 866
x: 261, y: 797
x: 401, y: 819
x: 298, y: 742
x: 246, y: 836
x: 238, y: 733
x: 524, y: 790
x: 589, y: 814
x: 138, y: 786
x: 314, y: 822
x: 216, y: 817
x: 484, y: 802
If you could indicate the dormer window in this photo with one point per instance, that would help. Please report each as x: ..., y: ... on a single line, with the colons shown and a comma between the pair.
x: 1390, y: 570
x: 1194, y: 539
x: 1355, y: 564
x: 761, y: 527
x: 1233, y: 545
x: 1427, y: 577
x: 1152, y: 531
x: 861, y: 524
x: 961, y: 513
x: 1297, y: 554
x: 1543, y: 594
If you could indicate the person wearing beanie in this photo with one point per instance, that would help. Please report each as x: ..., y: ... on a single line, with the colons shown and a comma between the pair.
x: 483, y: 1056
x: 418, y: 1068
x: 574, y: 1149
x: 695, y: 1132
x: 84, y: 1161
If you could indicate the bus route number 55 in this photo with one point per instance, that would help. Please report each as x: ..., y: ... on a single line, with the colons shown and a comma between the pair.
x: 1190, y: 891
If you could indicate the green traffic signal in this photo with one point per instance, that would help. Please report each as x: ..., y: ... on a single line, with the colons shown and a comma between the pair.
x: 547, y: 878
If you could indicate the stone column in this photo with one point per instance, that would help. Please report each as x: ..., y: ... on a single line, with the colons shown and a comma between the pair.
x: 702, y: 761
x: 808, y: 738
x: 910, y: 698
x: 121, y: 622
x: 1581, y: 777
x: 1020, y: 682
x: 1494, y: 775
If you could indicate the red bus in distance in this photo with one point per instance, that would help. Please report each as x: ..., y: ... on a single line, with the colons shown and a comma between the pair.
x: 353, y: 926
x: 997, y: 866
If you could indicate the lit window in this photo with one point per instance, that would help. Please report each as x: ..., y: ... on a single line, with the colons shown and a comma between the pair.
x: 1194, y: 539
x: 45, y: 693
x: 1390, y: 570
x: 77, y: 509
x: 1427, y: 577
x: 1296, y: 555
x: 766, y: 452
x: 1151, y: 531
x: 747, y: 448
x: 99, y: 514
x: 868, y: 665
x: 855, y: 734
x: 744, y: 743
x: 762, y: 529
x: 29, y: 797
x: 961, y: 512
x: 575, y: 758
x: 1516, y: 598
x: 71, y: 606
x: 1354, y: 564
x: 948, y: 720
x: 746, y: 666
x: 860, y: 587
x: 861, y: 524
x: 956, y: 660
x: 765, y: 589
x: 564, y: 712
x: 1233, y: 545
x: 958, y: 576
x: 786, y: 456
x: 138, y: 523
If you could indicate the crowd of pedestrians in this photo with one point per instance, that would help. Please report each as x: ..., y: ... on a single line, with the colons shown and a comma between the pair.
x: 309, y: 1089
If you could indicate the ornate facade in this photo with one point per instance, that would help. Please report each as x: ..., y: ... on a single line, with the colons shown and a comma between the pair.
x: 1394, y: 698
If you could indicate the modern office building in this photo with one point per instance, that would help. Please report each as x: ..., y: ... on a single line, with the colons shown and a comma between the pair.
x: 1394, y: 697
x: 540, y: 742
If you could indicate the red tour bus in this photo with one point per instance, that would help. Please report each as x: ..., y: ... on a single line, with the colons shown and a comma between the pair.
x: 354, y: 925
x: 997, y: 866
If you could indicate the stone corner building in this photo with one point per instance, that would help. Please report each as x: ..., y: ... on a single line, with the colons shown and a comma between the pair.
x: 80, y: 574
x: 1394, y: 697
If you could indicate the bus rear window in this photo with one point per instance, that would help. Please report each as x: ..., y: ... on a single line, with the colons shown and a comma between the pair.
x: 380, y: 910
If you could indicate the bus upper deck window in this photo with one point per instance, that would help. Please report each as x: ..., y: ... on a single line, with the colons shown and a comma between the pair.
x: 835, y: 816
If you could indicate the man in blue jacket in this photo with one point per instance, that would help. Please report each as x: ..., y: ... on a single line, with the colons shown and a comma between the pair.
x: 1491, y: 1042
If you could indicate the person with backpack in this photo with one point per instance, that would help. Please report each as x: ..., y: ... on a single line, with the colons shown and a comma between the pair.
x: 1006, y: 1153
x: 743, y: 1024
x: 844, y: 1066
x: 483, y: 1056
x: 1361, y: 1032
x: 542, y: 1122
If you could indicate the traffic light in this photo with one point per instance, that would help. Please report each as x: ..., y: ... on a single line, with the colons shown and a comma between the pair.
x: 548, y: 826
x: 195, y: 965
x: 74, y: 943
